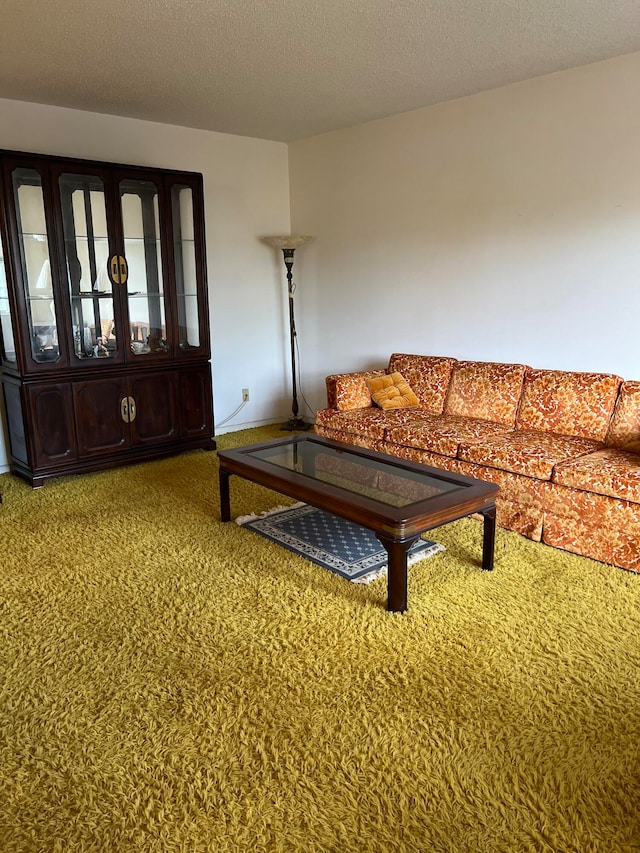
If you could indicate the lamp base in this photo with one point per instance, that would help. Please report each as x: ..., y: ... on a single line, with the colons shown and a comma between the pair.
x: 296, y: 424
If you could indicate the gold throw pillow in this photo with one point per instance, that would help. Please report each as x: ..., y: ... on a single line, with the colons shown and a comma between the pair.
x: 392, y: 391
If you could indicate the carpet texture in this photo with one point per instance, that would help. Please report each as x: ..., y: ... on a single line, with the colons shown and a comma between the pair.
x: 164, y: 689
x: 348, y: 549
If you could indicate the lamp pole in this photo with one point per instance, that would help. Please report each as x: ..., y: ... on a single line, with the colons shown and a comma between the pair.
x: 294, y: 421
x: 288, y: 246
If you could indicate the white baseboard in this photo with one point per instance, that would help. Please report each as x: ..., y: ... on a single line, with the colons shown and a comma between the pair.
x: 252, y: 425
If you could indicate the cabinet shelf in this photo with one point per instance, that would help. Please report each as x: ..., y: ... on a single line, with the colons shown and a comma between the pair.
x: 140, y: 241
x: 34, y: 235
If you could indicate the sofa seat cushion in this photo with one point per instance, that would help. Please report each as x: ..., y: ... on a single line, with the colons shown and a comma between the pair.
x: 370, y: 423
x: 485, y: 390
x: 568, y: 403
x: 350, y: 438
x: 443, y: 434
x: 428, y: 376
x: 610, y: 471
x: 534, y: 454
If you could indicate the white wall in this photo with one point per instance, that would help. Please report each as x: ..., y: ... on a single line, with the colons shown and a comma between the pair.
x: 504, y: 226
x: 246, y: 195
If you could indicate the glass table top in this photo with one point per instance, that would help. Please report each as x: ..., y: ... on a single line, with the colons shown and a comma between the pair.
x: 386, y: 482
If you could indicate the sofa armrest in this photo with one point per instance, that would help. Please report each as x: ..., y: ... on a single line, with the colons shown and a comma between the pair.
x: 346, y: 391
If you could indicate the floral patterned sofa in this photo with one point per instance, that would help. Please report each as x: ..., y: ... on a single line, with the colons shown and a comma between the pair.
x: 564, y: 447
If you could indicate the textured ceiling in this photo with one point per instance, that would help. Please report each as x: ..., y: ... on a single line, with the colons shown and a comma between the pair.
x: 286, y: 69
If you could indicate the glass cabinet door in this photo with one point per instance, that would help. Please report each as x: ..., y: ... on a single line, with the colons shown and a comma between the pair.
x: 184, y: 253
x: 6, y: 327
x: 147, y: 332
x: 35, y: 258
x: 86, y: 243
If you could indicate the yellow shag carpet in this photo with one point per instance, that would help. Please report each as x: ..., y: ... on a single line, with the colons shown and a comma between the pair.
x: 170, y: 683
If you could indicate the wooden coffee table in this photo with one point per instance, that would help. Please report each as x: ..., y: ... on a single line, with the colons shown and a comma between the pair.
x: 398, y: 500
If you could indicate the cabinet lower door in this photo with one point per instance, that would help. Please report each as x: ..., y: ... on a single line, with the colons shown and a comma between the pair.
x: 155, y: 398
x: 41, y: 428
x: 50, y: 415
x: 195, y: 403
x: 101, y: 421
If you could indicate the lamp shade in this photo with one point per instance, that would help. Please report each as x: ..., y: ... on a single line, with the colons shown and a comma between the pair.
x: 291, y: 242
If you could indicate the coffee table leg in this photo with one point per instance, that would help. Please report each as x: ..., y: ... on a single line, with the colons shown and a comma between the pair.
x: 225, y: 502
x: 489, y: 537
x: 397, y: 572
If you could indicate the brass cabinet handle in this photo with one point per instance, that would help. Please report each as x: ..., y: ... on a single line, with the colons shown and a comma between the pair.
x: 118, y: 269
x: 128, y: 409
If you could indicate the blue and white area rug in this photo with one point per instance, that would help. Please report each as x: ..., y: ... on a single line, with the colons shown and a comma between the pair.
x: 349, y: 550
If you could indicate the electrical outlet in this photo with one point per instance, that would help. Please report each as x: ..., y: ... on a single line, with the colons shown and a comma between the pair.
x: 245, y: 395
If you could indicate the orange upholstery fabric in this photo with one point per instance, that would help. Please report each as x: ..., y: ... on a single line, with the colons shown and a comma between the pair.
x: 392, y: 391
x: 610, y: 471
x: 485, y: 390
x: 371, y: 422
x: 520, y: 503
x: 426, y: 457
x: 558, y: 401
x: 533, y: 454
x: 427, y: 375
x: 349, y: 390
x: 443, y: 434
x: 568, y: 470
x: 593, y: 525
x: 624, y: 430
x: 351, y: 438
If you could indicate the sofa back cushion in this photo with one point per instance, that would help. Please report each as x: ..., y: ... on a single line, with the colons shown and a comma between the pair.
x: 624, y: 430
x: 568, y: 403
x: 428, y: 376
x: 485, y: 390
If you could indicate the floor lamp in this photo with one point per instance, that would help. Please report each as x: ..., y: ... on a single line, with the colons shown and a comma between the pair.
x: 288, y: 246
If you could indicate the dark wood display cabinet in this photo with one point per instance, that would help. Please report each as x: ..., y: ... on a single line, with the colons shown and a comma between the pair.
x: 104, y: 332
